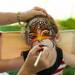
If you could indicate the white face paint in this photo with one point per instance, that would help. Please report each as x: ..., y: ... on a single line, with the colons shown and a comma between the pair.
x: 48, y: 43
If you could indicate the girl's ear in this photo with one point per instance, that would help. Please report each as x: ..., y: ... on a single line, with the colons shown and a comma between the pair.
x: 57, y: 38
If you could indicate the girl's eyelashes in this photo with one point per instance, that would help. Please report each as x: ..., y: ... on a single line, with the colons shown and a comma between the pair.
x: 32, y: 35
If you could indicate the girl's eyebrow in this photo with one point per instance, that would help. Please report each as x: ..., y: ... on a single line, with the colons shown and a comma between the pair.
x: 32, y: 33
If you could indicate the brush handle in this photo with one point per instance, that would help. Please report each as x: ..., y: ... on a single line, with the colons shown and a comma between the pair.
x: 38, y: 58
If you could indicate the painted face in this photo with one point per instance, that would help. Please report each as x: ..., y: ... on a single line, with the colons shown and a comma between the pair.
x: 39, y: 29
x: 40, y: 35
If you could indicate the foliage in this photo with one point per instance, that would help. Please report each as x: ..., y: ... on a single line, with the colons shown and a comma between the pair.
x: 68, y: 24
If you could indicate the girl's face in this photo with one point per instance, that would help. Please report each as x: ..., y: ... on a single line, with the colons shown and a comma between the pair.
x: 40, y: 35
x: 39, y: 29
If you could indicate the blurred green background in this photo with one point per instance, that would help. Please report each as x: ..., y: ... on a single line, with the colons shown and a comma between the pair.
x: 64, y: 24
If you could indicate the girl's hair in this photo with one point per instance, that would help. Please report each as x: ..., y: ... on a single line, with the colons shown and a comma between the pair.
x: 44, y: 23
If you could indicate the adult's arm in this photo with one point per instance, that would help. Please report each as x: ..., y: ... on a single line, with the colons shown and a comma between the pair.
x: 10, y: 17
x: 69, y: 58
x: 11, y: 64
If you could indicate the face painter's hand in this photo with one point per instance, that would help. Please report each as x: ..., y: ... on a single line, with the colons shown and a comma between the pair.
x: 43, y: 10
x: 45, y: 61
x: 31, y: 13
x: 31, y: 58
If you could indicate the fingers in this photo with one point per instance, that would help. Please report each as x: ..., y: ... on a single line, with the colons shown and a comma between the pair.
x: 40, y: 9
x: 38, y: 13
x: 43, y: 10
x: 45, y: 52
x: 35, y: 50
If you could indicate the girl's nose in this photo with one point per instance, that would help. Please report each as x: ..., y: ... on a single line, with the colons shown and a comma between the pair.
x: 36, y: 43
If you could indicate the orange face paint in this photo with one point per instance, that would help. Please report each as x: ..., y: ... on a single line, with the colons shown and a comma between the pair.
x: 40, y: 36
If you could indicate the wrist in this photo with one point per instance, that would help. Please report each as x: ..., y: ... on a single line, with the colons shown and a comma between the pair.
x: 25, y: 70
x: 21, y: 17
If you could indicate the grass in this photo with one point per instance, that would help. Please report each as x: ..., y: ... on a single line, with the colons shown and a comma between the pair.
x: 6, y: 28
x: 68, y: 24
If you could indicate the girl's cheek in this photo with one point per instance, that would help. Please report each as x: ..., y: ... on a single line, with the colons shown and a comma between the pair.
x: 36, y: 43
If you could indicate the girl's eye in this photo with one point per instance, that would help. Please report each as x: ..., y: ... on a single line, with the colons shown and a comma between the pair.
x: 33, y: 37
